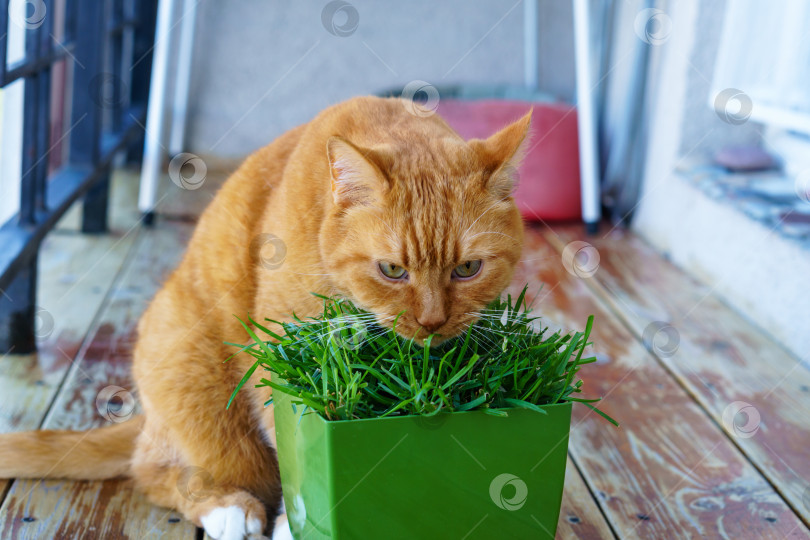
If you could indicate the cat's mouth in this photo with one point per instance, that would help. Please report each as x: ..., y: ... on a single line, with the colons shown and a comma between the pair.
x: 420, y: 334
x: 407, y: 328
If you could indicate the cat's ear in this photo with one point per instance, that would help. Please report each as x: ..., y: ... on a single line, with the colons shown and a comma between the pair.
x: 355, y: 177
x: 501, y: 155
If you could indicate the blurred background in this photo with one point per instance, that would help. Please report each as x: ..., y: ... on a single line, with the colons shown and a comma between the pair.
x: 693, y: 115
x: 682, y: 125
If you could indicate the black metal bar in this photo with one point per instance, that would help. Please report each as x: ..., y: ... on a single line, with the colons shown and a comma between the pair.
x: 31, y: 152
x: 71, y: 15
x: 104, y: 93
x: 18, y: 311
x: 46, y: 195
x: 119, y: 27
x: 65, y: 187
x: 43, y: 81
x: 94, y: 207
x: 26, y: 68
x: 3, y: 38
x: 86, y: 115
x: 88, y: 100
x: 17, y: 305
x: 116, y: 78
x: 141, y: 69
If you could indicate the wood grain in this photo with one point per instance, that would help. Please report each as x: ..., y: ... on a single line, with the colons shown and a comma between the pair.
x: 668, y: 470
x: 721, y: 358
x: 111, y: 508
x: 87, y: 510
x: 75, y: 273
x: 580, y: 516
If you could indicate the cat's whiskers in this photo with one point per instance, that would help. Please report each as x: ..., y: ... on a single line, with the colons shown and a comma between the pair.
x: 475, y: 328
x: 502, y: 317
x: 480, y: 339
x: 485, y: 317
x: 486, y: 338
x: 364, y: 320
x: 500, y: 332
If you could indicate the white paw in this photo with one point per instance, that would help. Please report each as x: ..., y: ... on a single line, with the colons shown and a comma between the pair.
x: 282, y: 531
x: 229, y: 523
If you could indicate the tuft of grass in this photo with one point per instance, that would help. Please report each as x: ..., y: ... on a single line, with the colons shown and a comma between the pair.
x: 344, y: 366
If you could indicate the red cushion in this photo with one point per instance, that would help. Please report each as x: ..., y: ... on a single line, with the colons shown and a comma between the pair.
x: 548, y: 187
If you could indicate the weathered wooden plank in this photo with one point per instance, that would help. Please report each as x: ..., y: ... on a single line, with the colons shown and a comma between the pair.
x: 110, y: 508
x: 75, y: 273
x: 723, y: 360
x: 668, y: 471
x: 580, y: 516
x: 86, y: 510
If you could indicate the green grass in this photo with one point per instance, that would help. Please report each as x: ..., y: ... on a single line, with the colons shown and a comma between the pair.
x: 344, y: 366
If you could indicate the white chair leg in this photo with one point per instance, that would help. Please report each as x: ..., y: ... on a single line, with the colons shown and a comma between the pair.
x: 586, y: 117
x: 182, y: 80
x: 155, y: 146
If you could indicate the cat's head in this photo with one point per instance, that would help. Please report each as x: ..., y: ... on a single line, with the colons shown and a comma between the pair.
x: 428, y: 227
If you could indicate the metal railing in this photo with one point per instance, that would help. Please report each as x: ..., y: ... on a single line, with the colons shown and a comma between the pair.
x: 103, y: 58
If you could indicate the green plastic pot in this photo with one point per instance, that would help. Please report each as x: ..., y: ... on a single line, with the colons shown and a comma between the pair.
x: 453, y: 475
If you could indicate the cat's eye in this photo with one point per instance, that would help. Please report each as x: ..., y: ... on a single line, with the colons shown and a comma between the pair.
x: 392, y: 271
x: 466, y: 270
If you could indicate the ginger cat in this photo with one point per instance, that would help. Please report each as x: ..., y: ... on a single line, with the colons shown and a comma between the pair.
x: 392, y: 210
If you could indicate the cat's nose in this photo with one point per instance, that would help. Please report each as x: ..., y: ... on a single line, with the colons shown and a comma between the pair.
x: 431, y: 321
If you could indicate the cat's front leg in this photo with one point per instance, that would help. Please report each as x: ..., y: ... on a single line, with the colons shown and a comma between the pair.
x: 225, y: 512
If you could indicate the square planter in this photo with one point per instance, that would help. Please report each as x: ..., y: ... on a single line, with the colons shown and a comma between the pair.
x: 454, y: 475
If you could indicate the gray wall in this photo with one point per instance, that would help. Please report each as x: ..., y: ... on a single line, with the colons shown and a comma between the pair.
x: 263, y: 67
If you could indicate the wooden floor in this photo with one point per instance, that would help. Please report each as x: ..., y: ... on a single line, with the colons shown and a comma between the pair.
x: 715, y: 435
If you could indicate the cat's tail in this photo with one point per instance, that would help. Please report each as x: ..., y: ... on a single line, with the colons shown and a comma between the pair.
x: 96, y: 454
